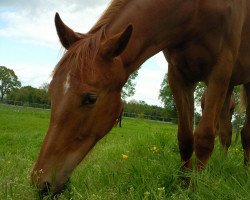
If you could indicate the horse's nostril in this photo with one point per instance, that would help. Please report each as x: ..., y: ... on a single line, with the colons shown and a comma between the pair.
x: 45, y: 190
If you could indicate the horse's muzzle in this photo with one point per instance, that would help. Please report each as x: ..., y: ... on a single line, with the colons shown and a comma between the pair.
x: 48, y: 189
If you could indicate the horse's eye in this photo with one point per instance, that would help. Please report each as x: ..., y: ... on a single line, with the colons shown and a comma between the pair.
x: 89, y: 99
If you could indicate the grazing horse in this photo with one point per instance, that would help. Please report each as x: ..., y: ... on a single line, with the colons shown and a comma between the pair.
x: 224, y: 125
x: 120, y: 117
x: 206, y: 40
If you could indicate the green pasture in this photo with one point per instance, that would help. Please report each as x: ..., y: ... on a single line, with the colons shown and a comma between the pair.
x: 139, y: 161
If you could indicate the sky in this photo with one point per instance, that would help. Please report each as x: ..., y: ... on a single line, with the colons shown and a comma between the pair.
x: 29, y: 44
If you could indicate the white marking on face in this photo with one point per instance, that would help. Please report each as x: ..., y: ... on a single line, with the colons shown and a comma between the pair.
x: 67, y: 84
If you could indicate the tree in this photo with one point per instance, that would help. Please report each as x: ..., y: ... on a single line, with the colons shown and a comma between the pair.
x: 29, y: 95
x: 239, y: 115
x: 141, y: 109
x: 45, y: 87
x: 128, y: 89
x: 8, y: 81
x: 199, y: 90
x: 166, y: 97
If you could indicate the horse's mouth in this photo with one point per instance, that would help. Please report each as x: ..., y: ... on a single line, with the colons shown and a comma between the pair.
x: 48, y: 190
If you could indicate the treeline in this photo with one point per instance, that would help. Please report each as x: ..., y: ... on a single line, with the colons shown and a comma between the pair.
x: 29, y: 96
x: 139, y: 109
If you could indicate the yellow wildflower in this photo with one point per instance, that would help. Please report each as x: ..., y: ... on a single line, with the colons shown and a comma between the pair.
x: 124, y: 156
x: 154, y: 149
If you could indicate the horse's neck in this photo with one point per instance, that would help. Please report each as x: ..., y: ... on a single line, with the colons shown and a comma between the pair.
x: 156, y: 25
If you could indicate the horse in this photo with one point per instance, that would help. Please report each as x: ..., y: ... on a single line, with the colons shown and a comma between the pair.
x: 204, y: 41
x: 120, y: 118
x: 224, y: 126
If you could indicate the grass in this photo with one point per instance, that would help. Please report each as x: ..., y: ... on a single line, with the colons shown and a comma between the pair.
x: 138, y: 161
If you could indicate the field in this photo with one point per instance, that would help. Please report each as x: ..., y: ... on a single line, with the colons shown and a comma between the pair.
x: 138, y: 161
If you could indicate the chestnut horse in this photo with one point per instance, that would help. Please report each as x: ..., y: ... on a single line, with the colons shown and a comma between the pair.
x: 206, y: 40
x: 224, y: 125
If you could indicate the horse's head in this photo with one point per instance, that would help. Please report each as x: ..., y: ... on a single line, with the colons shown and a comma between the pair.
x: 85, y: 101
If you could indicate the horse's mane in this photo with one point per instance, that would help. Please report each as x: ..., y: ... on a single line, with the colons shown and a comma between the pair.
x: 81, y: 54
x: 109, y: 14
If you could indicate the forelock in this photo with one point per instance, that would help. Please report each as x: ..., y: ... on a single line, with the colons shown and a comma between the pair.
x: 80, y: 57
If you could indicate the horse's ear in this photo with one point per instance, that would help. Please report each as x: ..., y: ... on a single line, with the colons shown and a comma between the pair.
x: 115, y: 45
x: 66, y: 35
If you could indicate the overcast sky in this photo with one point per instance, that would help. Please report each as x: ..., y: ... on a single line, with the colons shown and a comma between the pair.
x: 29, y: 44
